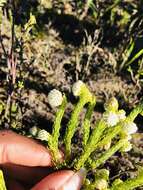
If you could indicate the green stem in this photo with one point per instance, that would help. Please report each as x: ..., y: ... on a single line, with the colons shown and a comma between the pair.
x: 86, y: 122
x: 53, y: 143
x: 106, y: 155
x: 134, y: 113
x: 130, y: 184
x: 2, y: 182
x: 112, y: 132
x: 91, y: 145
x: 73, y: 123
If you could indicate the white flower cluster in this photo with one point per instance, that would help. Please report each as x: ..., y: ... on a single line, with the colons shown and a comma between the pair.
x: 77, y: 86
x: 43, y: 135
x: 112, y: 115
x: 55, y: 98
x: 130, y: 128
x: 111, y: 118
x: 38, y: 133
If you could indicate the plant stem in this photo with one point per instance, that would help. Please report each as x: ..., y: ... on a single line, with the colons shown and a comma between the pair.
x: 134, y: 113
x: 86, y: 122
x: 53, y: 143
x: 130, y: 184
x: 91, y: 145
x: 106, y: 155
x: 73, y: 123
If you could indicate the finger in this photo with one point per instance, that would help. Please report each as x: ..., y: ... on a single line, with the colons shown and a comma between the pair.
x: 28, y: 175
x: 75, y: 182
x: 61, y: 180
x: 53, y: 180
x: 21, y: 150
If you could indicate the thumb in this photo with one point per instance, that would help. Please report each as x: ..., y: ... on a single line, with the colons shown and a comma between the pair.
x: 62, y: 180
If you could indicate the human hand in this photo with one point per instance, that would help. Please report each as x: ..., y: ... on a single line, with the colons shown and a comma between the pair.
x: 26, y: 165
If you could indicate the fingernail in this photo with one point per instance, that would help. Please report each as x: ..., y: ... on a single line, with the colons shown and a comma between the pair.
x: 75, y: 182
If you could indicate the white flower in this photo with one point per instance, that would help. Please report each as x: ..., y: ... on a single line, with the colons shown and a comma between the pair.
x: 55, y: 98
x: 111, y: 118
x: 43, y: 135
x: 111, y: 104
x: 121, y: 114
x: 77, y: 86
x: 130, y: 128
x: 101, y: 184
x: 33, y: 131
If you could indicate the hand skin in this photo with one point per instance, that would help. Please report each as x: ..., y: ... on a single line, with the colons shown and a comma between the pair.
x: 26, y: 165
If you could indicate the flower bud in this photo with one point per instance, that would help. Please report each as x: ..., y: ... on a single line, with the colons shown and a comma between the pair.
x: 129, y: 137
x: 77, y: 86
x: 111, y: 104
x: 43, y: 135
x: 33, y: 131
x: 101, y: 184
x: 121, y: 115
x: 111, y: 118
x: 117, y: 182
x: 130, y: 128
x: 55, y: 98
x: 127, y: 147
x: 107, y: 146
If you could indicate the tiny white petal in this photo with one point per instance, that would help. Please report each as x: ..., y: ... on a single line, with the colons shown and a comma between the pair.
x: 33, y: 131
x: 77, y: 87
x: 121, y: 114
x: 111, y: 118
x: 130, y: 128
x: 55, y: 98
x: 43, y: 135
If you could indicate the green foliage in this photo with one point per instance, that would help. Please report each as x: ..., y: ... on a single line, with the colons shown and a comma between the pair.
x: 119, y: 135
x: 107, y: 154
x: 87, y: 121
x: 2, y: 182
x: 2, y: 2
x: 90, y: 147
x: 126, y: 62
x: 84, y: 98
x: 28, y: 26
x: 131, y: 183
x: 53, y: 141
